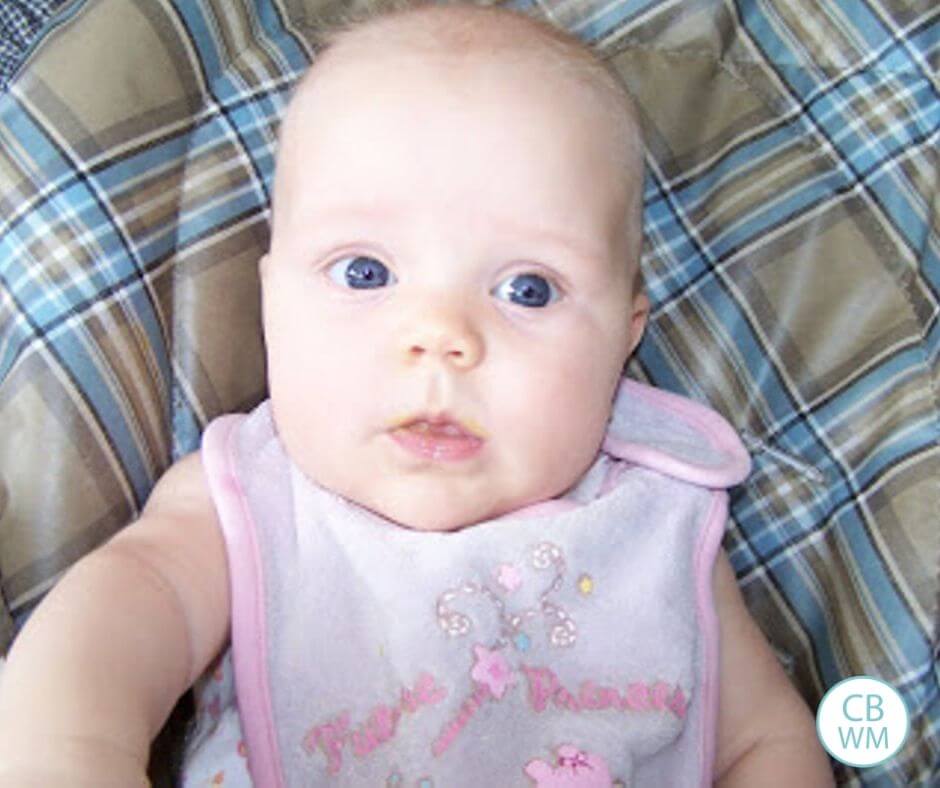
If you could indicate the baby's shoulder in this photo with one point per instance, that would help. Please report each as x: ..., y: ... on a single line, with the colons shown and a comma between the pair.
x: 182, y: 492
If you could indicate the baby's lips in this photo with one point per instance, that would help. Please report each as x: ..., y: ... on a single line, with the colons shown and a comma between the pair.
x: 442, y: 440
x: 441, y: 422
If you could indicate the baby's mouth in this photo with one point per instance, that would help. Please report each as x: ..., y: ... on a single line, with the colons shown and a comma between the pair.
x: 439, y: 437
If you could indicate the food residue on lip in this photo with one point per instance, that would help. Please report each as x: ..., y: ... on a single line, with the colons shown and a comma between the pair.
x: 447, y: 426
x: 436, y: 439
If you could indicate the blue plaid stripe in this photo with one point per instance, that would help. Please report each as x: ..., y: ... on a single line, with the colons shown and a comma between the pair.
x: 236, y: 113
x: 70, y: 197
x: 244, y: 111
x: 826, y: 109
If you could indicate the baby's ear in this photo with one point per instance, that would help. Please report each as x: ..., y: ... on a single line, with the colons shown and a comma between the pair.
x: 639, y: 312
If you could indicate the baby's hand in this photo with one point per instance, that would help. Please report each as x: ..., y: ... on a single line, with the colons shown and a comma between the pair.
x: 766, y: 734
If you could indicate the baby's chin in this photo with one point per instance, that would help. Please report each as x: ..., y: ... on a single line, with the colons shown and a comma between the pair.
x: 420, y: 514
x: 436, y: 511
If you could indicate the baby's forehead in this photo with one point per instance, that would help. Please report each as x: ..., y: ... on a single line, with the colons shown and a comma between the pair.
x: 472, y: 45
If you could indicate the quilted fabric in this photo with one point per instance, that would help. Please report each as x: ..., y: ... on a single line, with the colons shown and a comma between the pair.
x: 20, y: 23
x: 792, y: 257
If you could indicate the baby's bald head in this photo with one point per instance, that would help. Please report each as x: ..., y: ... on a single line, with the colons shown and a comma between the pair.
x: 485, y: 41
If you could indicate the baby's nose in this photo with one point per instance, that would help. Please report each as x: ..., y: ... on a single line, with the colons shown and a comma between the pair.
x: 442, y: 335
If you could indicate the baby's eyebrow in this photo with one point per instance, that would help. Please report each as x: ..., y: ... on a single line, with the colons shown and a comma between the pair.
x: 355, y: 211
x: 578, y: 247
x: 384, y: 212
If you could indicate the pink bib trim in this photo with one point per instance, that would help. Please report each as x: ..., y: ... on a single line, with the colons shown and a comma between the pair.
x: 720, y: 461
x: 704, y: 563
x: 249, y: 628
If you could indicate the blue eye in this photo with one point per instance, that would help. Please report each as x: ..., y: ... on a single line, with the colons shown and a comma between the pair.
x: 529, y: 290
x: 360, y: 273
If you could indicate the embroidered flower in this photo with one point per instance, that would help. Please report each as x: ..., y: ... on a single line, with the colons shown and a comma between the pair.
x: 586, y: 585
x: 574, y: 769
x: 492, y: 670
x: 522, y: 642
x: 564, y: 633
x: 508, y: 577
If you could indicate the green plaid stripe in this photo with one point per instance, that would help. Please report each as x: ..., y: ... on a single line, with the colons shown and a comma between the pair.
x: 792, y: 256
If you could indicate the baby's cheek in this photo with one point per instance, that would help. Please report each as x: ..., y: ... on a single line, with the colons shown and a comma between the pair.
x: 576, y: 418
x: 559, y: 449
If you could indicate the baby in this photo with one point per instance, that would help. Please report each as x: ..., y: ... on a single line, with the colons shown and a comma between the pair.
x: 455, y: 547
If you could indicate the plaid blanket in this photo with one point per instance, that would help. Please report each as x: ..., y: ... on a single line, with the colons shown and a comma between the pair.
x: 20, y: 23
x: 792, y: 257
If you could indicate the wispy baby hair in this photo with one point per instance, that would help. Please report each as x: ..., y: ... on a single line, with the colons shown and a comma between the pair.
x: 466, y: 29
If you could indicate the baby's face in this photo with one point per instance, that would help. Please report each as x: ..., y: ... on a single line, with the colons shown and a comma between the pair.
x: 448, y: 299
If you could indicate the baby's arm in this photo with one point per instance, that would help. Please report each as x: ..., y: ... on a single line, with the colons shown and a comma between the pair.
x: 766, y: 734
x: 96, y: 671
